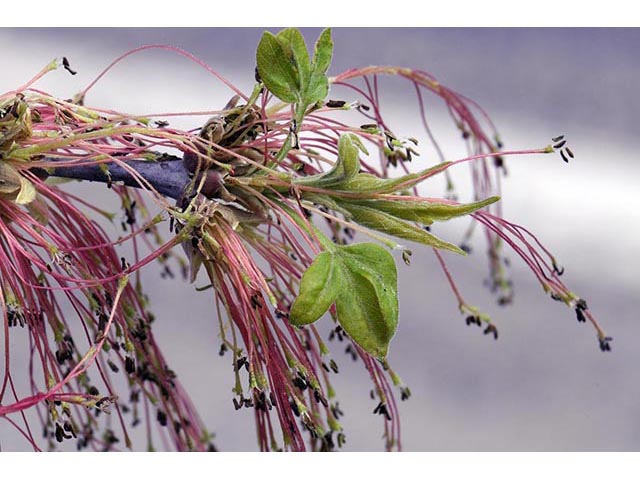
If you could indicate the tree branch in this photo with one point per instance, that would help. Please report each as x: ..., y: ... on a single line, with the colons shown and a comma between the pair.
x: 168, y: 176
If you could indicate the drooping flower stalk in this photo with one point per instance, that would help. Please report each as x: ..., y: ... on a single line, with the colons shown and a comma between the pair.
x: 242, y: 197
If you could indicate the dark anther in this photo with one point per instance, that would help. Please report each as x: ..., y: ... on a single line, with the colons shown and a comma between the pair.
x: 161, y: 123
x: 336, y: 103
x: 63, y: 354
x: 558, y: 270
x: 505, y: 300
x: 335, y: 410
x: 110, y: 437
x: 255, y: 301
x: 247, y: 402
x: 580, y: 315
x: 93, y: 391
x: 114, y: 368
x: 223, y: 349
x: 123, y: 263
x: 294, y: 409
x: 558, y: 138
x: 272, y: 397
x: 334, y: 366
x: 491, y: 329
x: 381, y: 409
x: 405, y: 393
x: 281, y: 314
x: 473, y: 320
x: 368, y: 126
x: 129, y: 365
x: 372, y: 395
x: 65, y: 64
x: 581, y: 304
x: 569, y: 152
x: 560, y: 144
x: 242, y: 361
x: 336, y: 332
x: 262, y: 402
x: 108, y: 299
x: 237, y: 404
x: 69, y: 428
x: 130, y: 213
x: 341, y: 439
x: 605, y: 344
x: 177, y: 427
x: 300, y: 383
x: 256, y: 75
x: 60, y: 435
x: 327, y: 441
x: 164, y: 391
x: 325, y: 367
x: 366, y: 108
x: 564, y: 157
x: 465, y: 248
x: 498, y: 162
x: 102, y: 321
x: 351, y: 351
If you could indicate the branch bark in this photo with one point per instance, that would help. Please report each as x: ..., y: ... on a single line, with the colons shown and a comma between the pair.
x: 168, y: 176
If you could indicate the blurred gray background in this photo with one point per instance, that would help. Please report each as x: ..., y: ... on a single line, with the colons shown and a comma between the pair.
x: 544, y: 385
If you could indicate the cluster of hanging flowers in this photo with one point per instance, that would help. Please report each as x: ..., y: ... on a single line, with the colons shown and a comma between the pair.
x: 266, y: 199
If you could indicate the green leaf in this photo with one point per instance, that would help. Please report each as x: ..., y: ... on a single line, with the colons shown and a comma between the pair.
x: 318, y: 85
x: 284, y: 67
x: 389, y: 224
x: 423, y: 212
x: 292, y: 40
x: 366, y: 183
x: 367, y: 304
x: 286, y: 70
x: 346, y: 167
x: 319, y: 288
x: 323, y: 52
x: 276, y: 66
x: 362, y: 281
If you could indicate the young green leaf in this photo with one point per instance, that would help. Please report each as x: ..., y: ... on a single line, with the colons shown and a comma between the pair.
x: 292, y: 40
x: 318, y: 85
x: 367, y: 303
x: 276, y: 66
x: 319, y: 288
x: 285, y: 69
x: 423, y: 212
x: 389, y: 224
x: 346, y: 167
x: 323, y: 52
x: 366, y: 183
